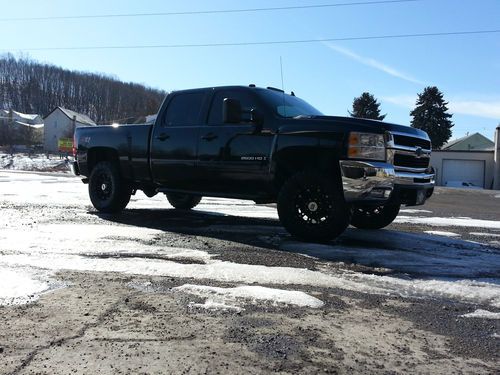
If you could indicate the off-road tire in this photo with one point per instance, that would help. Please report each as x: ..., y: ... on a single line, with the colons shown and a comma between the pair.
x: 183, y: 201
x: 374, y: 217
x: 312, y: 207
x: 108, y: 192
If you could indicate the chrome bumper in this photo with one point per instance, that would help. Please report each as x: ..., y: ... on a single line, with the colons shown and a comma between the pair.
x: 376, y: 181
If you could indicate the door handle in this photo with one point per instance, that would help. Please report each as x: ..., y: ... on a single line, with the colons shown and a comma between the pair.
x: 209, y: 137
x: 162, y: 137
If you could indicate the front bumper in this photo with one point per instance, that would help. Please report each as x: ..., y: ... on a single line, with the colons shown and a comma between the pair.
x: 379, y: 182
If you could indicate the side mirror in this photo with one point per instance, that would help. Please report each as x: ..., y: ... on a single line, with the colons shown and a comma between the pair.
x: 231, y: 111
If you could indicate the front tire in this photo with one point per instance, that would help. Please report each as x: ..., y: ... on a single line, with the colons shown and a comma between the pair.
x: 374, y: 217
x: 183, y: 201
x: 108, y: 192
x: 312, y: 207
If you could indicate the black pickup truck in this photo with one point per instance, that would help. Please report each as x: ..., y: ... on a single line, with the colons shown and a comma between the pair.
x: 260, y: 144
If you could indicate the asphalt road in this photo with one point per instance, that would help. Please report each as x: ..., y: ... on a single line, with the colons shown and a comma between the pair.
x: 224, y: 289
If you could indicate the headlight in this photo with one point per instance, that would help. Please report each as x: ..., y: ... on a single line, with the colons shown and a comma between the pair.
x: 366, y: 146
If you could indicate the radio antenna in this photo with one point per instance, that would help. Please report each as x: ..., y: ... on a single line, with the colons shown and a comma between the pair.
x: 283, y: 86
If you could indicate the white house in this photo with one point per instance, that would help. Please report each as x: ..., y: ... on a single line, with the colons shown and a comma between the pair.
x: 61, y: 123
x: 469, y: 159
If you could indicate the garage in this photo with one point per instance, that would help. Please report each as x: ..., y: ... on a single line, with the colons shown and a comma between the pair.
x: 463, y: 170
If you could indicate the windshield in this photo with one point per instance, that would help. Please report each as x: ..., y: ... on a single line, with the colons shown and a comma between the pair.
x: 285, y: 105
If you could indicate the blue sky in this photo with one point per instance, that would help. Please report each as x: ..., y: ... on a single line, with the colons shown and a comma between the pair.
x: 465, y: 68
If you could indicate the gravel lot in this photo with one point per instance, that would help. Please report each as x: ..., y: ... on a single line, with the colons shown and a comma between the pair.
x: 224, y: 289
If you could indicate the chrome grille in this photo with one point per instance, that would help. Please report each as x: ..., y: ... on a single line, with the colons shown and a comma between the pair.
x: 409, y: 153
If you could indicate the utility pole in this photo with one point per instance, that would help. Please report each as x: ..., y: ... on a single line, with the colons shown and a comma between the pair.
x: 10, y: 126
x: 496, y: 174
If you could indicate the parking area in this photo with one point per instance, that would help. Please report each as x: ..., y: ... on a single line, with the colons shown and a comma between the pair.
x: 223, y: 288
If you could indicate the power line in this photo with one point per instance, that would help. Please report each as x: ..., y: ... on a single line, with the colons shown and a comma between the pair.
x: 261, y: 43
x: 201, y: 12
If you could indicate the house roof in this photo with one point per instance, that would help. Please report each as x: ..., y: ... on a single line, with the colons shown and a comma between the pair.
x: 473, y: 142
x: 82, y: 119
x: 23, y: 117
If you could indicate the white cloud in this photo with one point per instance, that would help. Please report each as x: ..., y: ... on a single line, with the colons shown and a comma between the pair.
x: 488, y: 109
x: 480, y: 108
x: 406, y: 101
x: 373, y: 63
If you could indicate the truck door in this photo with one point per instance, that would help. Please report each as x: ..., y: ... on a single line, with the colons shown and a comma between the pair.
x: 174, y: 140
x: 233, y: 157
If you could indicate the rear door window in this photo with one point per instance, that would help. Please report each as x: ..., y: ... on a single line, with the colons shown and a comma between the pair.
x: 184, y: 110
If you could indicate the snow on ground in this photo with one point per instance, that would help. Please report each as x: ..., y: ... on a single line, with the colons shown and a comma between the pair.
x: 414, y: 211
x: 36, y: 162
x: 420, y: 255
x: 21, y: 286
x: 441, y: 233
x: 485, y: 314
x: 33, y: 258
x: 481, y: 234
x: 235, y: 298
x: 449, y: 222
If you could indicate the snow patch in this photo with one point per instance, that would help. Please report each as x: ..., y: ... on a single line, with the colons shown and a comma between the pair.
x: 442, y: 233
x: 449, y: 222
x: 414, y: 211
x: 18, y: 287
x: 234, y: 298
x: 465, y: 290
x: 24, y: 162
x: 485, y: 314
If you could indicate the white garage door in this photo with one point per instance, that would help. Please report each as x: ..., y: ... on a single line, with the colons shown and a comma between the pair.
x: 463, y: 170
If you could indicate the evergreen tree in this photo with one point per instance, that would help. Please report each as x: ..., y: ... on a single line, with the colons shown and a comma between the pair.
x: 431, y: 115
x: 366, y: 106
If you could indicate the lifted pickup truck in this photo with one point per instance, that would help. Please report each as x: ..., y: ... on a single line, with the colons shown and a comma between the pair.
x: 260, y: 144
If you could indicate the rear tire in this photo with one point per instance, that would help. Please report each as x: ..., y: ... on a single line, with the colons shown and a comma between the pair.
x: 374, y: 217
x: 183, y: 201
x: 312, y: 207
x: 108, y: 192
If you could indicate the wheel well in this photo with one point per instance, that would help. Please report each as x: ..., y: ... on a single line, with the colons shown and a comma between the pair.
x: 98, y: 154
x: 299, y: 159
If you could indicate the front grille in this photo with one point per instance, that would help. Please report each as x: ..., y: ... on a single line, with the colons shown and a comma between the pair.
x: 410, y: 161
x: 403, y: 140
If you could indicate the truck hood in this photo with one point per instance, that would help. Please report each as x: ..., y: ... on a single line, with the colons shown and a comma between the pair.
x: 345, y: 124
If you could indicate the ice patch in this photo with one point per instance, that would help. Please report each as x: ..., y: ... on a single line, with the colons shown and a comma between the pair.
x: 442, y: 233
x: 234, y: 298
x: 449, y: 222
x: 485, y: 314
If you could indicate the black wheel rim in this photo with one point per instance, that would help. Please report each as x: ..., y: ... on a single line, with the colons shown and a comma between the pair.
x: 102, y: 186
x: 314, y: 206
x: 370, y: 211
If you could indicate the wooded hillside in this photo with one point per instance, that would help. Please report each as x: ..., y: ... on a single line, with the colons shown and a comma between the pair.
x: 31, y: 87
